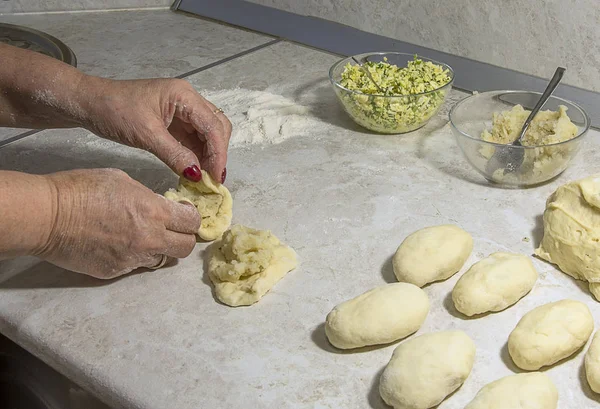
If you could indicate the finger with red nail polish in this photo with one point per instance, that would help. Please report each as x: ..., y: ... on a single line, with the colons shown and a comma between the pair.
x: 223, y: 175
x: 192, y: 173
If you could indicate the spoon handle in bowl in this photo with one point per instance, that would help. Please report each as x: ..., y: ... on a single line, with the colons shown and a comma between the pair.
x: 366, y: 71
x: 558, y: 74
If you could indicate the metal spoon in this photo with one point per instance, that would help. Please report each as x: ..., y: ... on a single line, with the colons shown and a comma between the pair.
x: 360, y: 64
x: 509, y: 158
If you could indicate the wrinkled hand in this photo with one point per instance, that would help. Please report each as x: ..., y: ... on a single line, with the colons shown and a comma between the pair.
x: 166, y: 117
x: 107, y: 224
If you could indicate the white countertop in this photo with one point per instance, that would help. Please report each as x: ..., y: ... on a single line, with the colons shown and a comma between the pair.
x: 343, y: 199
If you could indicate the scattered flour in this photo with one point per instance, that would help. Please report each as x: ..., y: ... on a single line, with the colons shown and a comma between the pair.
x: 259, y: 117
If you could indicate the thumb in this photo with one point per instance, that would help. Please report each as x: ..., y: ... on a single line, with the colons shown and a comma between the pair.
x: 176, y: 156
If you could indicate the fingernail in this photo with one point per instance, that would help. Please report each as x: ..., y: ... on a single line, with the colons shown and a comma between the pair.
x: 192, y: 173
x: 185, y: 202
x: 224, y: 175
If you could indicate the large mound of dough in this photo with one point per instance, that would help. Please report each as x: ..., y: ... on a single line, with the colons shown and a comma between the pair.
x: 432, y: 254
x: 381, y: 315
x: 523, y: 391
x: 213, y: 201
x: 426, y: 369
x: 246, y: 263
x: 549, y: 333
x: 494, y: 283
x: 572, y: 230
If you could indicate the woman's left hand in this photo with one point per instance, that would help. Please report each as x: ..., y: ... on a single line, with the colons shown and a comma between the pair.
x: 164, y: 116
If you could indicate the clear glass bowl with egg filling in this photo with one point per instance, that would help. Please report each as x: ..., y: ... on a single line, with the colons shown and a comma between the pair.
x: 414, y: 89
x: 486, y: 122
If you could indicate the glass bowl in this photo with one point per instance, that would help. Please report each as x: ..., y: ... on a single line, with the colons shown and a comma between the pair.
x: 389, y: 114
x: 471, y: 116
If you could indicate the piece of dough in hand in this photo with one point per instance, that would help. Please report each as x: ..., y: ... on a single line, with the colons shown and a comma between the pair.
x: 424, y: 370
x: 523, y: 391
x: 432, y: 254
x: 213, y: 201
x: 549, y: 333
x: 246, y: 263
x: 592, y: 363
x: 494, y: 283
x: 379, y: 316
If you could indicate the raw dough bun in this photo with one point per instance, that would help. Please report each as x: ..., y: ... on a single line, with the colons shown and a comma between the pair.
x: 523, y: 391
x: 592, y: 363
x: 426, y: 369
x: 432, y: 254
x: 212, y: 200
x: 572, y: 230
x: 549, y: 333
x: 494, y: 283
x: 381, y: 315
x: 246, y: 263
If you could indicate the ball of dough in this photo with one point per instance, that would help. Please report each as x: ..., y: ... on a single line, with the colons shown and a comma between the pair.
x: 381, y: 315
x: 494, y: 283
x: 213, y: 201
x: 523, y: 391
x: 572, y: 229
x: 432, y: 254
x: 246, y: 263
x: 549, y: 333
x: 592, y: 363
x: 426, y: 369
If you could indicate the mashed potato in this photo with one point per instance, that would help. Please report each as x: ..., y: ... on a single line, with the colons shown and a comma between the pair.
x: 541, y: 162
x: 548, y: 127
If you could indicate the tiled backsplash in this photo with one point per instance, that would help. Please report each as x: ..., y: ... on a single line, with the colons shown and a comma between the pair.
x: 29, y: 6
x: 532, y: 36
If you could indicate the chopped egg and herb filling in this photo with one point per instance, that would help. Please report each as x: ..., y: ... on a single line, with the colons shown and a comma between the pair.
x: 406, y: 103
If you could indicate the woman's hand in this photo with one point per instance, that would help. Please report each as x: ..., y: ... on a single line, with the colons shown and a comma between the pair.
x: 164, y: 116
x: 106, y: 224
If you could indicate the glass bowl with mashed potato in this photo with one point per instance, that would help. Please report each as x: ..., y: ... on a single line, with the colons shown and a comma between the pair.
x: 414, y: 88
x: 486, y: 122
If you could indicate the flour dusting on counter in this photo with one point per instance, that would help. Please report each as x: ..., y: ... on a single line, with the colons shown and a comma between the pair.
x: 259, y: 117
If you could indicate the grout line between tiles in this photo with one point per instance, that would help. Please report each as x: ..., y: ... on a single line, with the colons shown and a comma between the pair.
x: 18, y: 137
x: 233, y: 57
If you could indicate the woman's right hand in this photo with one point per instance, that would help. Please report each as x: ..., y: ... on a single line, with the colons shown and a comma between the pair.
x: 107, y: 224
